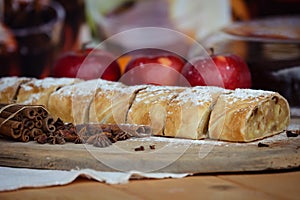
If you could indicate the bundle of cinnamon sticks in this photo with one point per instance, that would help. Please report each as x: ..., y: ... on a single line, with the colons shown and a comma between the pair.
x: 23, y: 122
x: 33, y: 122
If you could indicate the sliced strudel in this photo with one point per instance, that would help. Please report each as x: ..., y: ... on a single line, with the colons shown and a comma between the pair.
x: 9, y: 87
x: 112, y: 102
x: 37, y: 91
x: 150, y: 107
x: 188, y: 113
x: 246, y: 115
x: 72, y: 103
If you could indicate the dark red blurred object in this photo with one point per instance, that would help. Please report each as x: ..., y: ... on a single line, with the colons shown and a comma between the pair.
x: 87, y: 64
x: 8, y: 51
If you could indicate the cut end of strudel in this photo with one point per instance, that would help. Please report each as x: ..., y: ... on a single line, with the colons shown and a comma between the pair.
x: 188, y: 113
x: 246, y: 115
x: 9, y: 87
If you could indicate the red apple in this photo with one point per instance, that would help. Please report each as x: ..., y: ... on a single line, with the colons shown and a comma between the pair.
x: 229, y: 71
x: 158, y: 67
x: 88, y: 64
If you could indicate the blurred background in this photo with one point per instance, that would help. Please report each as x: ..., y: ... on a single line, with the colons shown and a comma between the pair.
x: 266, y: 33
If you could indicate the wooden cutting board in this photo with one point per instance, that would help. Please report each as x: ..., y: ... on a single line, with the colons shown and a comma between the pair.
x: 169, y: 155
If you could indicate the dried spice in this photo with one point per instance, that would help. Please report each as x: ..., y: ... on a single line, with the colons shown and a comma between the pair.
x: 41, y: 139
x: 113, y: 132
x: 262, y: 145
x: 99, y: 140
x: 140, y: 148
x: 292, y: 133
x: 20, y: 122
x: 152, y: 146
x: 56, y: 139
x: 25, y: 123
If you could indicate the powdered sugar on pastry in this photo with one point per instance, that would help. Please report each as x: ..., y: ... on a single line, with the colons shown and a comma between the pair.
x: 246, y: 94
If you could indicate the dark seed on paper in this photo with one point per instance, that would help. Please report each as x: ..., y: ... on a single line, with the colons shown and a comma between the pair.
x: 262, y: 145
x: 140, y: 148
x: 292, y: 133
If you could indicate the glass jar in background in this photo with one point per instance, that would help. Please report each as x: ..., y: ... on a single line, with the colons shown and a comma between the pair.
x: 74, y: 21
x: 36, y: 27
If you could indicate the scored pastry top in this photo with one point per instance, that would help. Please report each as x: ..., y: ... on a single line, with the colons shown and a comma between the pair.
x: 6, y: 82
x: 199, y: 95
x: 158, y: 92
x: 198, y: 112
x: 246, y: 94
x: 37, y: 91
x: 48, y: 83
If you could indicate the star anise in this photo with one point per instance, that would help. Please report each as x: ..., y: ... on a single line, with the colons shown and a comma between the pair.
x: 122, y: 136
x: 99, y: 140
x: 78, y: 140
x: 82, y: 135
x: 71, y: 128
x: 56, y: 138
x: 67, y: 135
x: 59, y: 124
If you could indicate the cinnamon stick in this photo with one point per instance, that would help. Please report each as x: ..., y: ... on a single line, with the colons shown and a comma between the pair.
x: 23, y: 122
x: 48, y: 124
x: 42, y: 112
x: 10, y: 128
x: 30, y: 113
x: 35, y: 132
x: 38, y: 122
x: 25, y: 136
x: 27, y: 123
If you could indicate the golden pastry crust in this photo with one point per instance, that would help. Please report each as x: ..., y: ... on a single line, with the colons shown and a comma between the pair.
x: 111, y: 103
x: 246, y: 115
x: 188, y: 113
x: 150, y: 107
x: 72, y: 103
x: 9, y: 87
x: 37, y: 91
x: 240, y: 115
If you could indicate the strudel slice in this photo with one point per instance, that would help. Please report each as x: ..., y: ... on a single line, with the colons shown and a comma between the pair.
x: 150, y: 107
x: 9, y: 87
x: 112, y: 102
x: 37, y: 91
x: 188, y: 113
x: 246, y: 115
x: 72, y: 103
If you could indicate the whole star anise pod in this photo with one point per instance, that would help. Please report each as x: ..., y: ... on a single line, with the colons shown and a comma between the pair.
x: 56, y: 138
x: 99, y: 140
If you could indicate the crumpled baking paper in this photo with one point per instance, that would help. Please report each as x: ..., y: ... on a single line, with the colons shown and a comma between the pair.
x: 16, y: 178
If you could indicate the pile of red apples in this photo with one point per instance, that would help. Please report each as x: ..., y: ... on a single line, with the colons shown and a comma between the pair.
x: 157, y: 67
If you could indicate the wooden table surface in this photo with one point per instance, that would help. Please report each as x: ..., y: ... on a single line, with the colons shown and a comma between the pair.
x: 260, y: 185
x: 275, y: 185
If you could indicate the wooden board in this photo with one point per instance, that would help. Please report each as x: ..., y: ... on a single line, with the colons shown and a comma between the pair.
x: 169, y: 155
